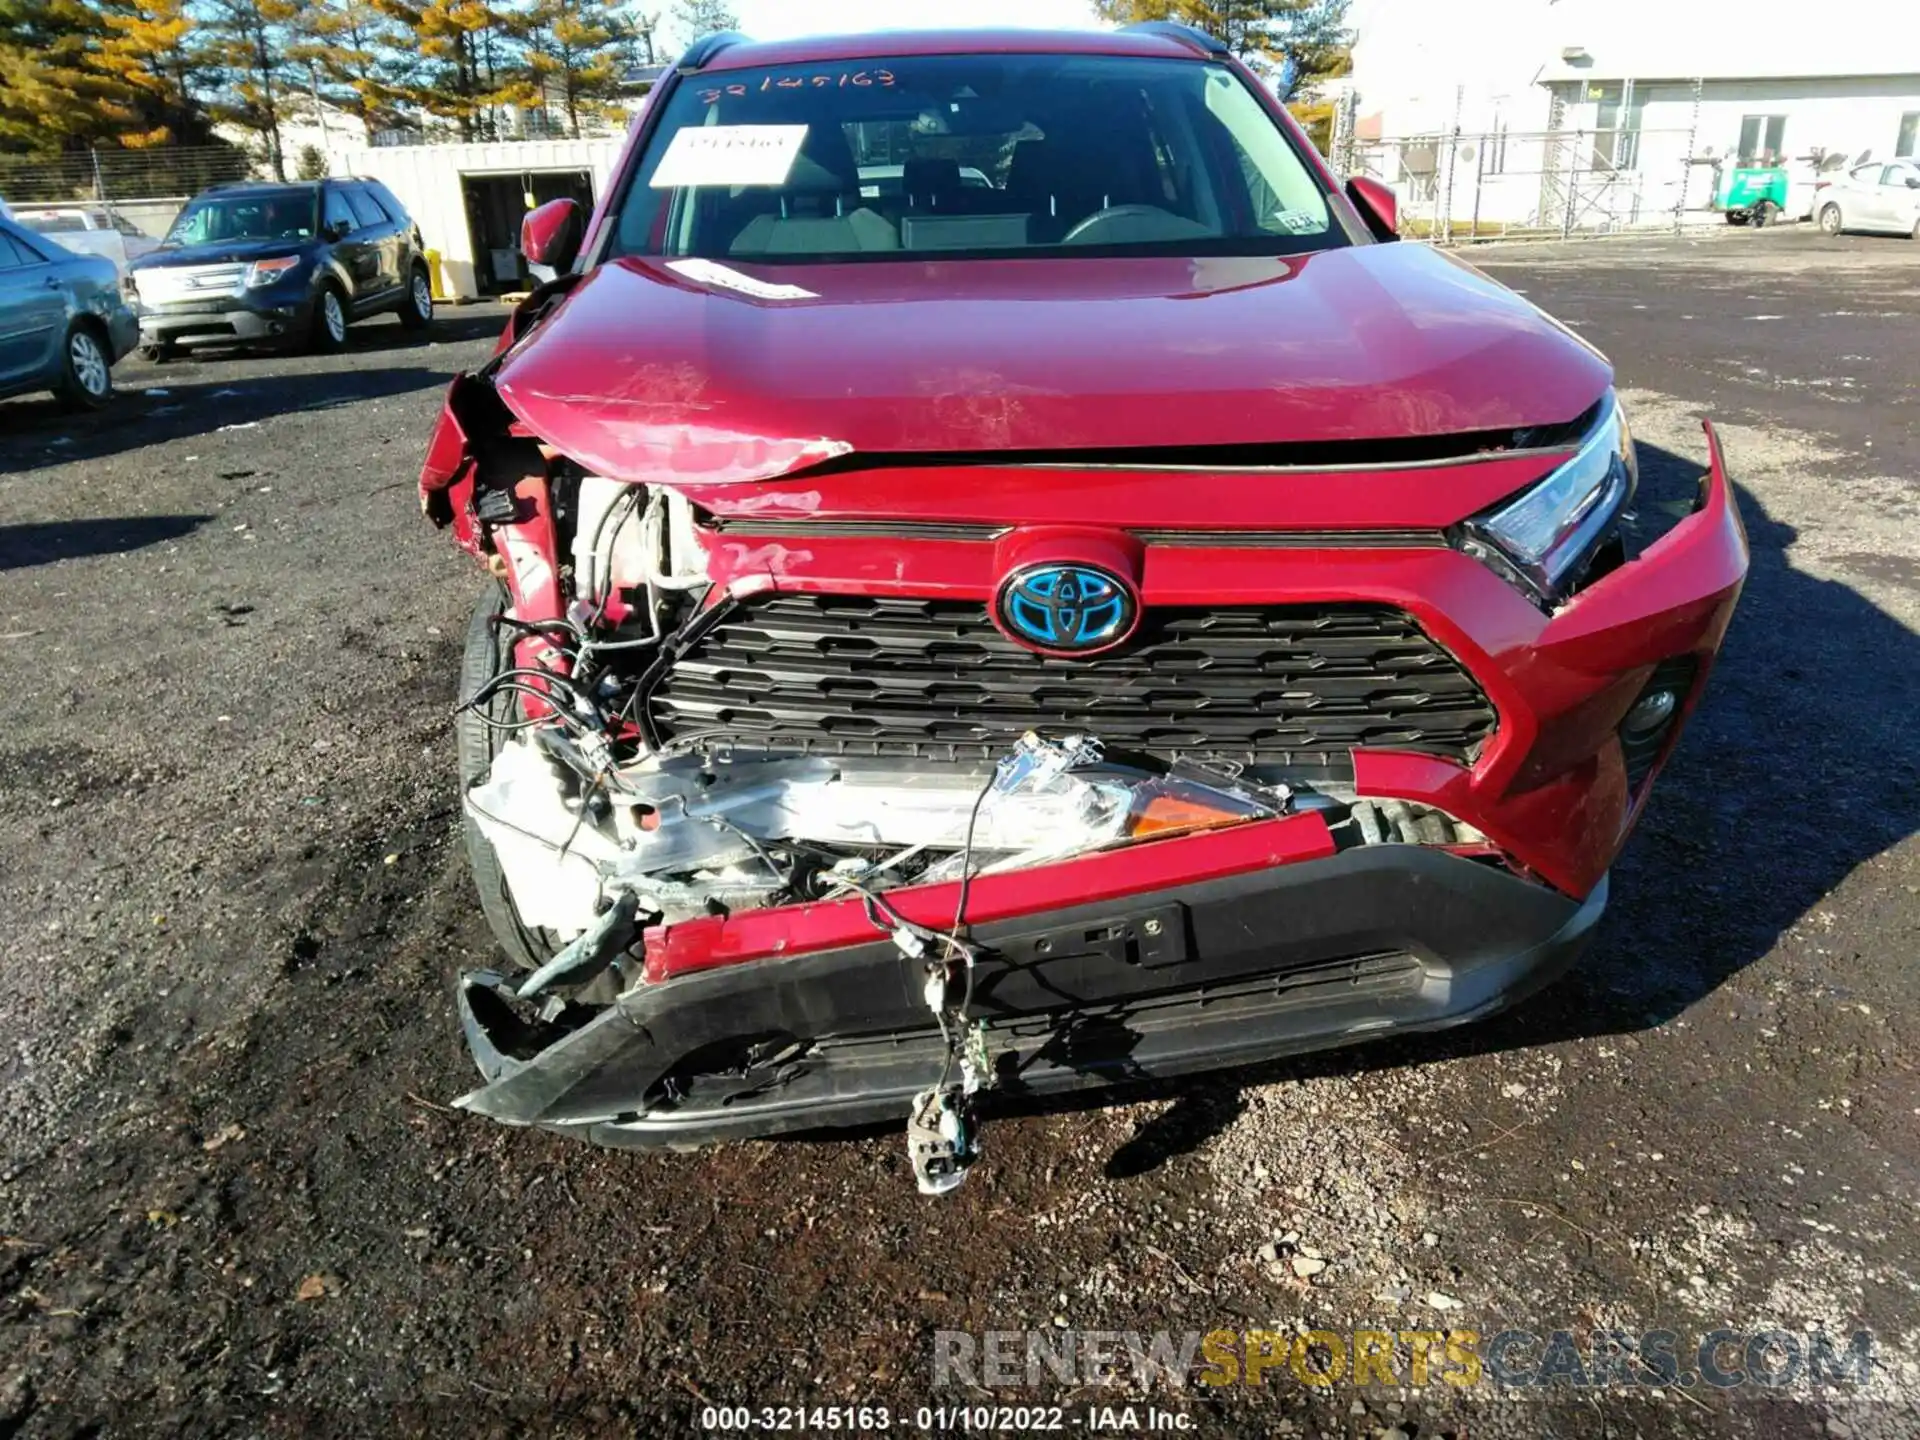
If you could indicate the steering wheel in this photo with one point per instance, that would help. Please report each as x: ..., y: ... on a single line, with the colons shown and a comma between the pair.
x: 1161, y: 225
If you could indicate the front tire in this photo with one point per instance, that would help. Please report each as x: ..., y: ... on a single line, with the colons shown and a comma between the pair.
x: 416, y: 311
x: 86, y: 374
x: 329, y: 331
x: 1830, y: 221
x: 525, y: 947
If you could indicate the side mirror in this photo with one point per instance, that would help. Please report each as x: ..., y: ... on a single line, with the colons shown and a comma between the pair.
x: 1377, y: 206
x: 551, y: 235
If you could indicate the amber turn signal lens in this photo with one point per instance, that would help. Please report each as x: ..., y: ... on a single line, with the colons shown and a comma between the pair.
x: 1171, y: 808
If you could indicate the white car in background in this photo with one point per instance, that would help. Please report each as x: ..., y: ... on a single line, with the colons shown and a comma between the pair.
x: 89, y: 230
x: 1883, y: 196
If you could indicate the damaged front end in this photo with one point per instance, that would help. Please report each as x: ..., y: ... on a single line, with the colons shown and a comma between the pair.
x: 783, y: 822
x: 1072, y: 918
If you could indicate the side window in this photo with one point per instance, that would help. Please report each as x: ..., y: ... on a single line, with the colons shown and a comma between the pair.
x: 23, y: 252
x: 365, y: 208
x: 387, y: 202
x: 10, y: 256
x: 337, y: 216
x: 1762, y: 139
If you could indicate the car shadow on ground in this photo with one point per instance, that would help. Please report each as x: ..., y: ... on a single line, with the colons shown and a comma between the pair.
x: 22, y: 546
x: 175, y: 400
x: 1797, y: 768
x: 452, y: 325
x: 177, y: 408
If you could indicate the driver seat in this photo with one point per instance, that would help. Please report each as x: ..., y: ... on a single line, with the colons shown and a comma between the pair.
x: 1057, y: 186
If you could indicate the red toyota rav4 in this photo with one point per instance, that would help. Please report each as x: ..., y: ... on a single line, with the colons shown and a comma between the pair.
x: 1007, y: 580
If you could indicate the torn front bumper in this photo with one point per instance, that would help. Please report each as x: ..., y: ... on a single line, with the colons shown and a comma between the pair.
x: 1245, y: 966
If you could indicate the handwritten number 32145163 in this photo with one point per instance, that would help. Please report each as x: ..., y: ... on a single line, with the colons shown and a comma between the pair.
x: 838, y: 80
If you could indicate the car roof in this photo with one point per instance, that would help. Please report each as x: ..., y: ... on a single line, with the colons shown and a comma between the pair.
x: 745, y: 54
x: 247, y: 187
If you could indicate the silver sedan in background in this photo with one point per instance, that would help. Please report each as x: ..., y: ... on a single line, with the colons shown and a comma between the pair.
x: 63, y: 321
x: 1883, y: 196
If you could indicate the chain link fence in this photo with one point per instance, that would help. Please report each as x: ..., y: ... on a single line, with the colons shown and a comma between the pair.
x: 1462, y: 186
x: 146, y: 186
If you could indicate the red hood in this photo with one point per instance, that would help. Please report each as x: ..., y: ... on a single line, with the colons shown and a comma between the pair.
x: 646, y: 374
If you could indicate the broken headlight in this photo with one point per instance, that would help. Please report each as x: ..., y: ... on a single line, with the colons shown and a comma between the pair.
x: 1542, y: 539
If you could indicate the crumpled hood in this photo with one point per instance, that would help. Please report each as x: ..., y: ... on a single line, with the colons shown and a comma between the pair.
x: 702, y: 372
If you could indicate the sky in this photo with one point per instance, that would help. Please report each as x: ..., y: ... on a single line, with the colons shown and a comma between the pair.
x: 779, y: 19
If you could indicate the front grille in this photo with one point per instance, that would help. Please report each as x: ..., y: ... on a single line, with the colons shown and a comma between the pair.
x: 175, y: 284
x: 889, y: 676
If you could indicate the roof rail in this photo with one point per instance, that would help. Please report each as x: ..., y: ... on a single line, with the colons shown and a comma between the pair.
x: 702, y: 51
x: 1186, y: 34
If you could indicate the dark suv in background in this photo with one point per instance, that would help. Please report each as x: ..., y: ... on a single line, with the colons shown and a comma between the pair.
x: 286, y: 264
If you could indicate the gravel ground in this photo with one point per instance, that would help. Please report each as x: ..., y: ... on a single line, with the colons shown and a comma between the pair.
x: 233, y: 1201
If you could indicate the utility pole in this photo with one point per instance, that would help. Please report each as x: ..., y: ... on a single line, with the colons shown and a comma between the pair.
x: 319, y: 107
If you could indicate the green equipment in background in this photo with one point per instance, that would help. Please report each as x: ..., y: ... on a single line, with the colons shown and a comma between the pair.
x: 1754, y: 194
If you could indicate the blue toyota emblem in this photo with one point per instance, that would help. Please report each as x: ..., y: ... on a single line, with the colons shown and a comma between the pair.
x: 1067, y: 607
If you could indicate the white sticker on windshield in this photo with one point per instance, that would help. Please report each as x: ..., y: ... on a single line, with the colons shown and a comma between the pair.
x: 711, y: 272
x: 729, y: 155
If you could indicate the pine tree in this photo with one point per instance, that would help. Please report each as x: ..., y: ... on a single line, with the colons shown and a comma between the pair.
x: 155, y: 53
x: 468, y: 65
x: 248, y: 42
x: 1290, y: 42
x: 52, y: 98
x: 576, y: 52
x: 694, y: 18
x: 356, y: 59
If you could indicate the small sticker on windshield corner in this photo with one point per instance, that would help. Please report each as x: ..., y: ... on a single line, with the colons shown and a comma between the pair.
x: 729, y: 155
x: 1296, y: 222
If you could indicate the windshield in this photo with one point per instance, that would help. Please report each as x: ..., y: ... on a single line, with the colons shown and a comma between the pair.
x: 971, y: 156
x: 256, y: 215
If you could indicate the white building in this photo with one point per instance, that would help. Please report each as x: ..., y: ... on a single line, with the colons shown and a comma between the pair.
x: 1621, y: 111
x: 468, y: 200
